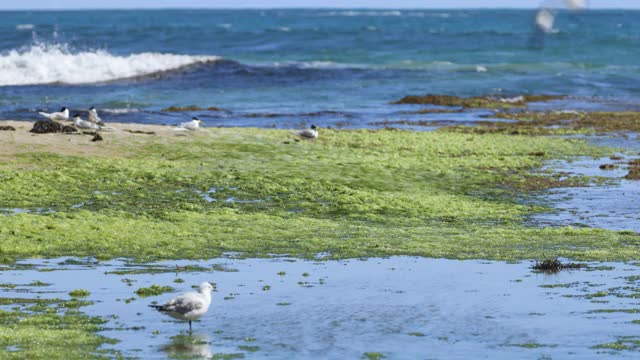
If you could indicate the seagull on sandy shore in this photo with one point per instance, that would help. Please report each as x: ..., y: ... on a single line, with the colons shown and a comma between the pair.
x: 310, y: 133
x: 190, y: 306
x: 63, y: 114
x: 94, y: 118
x: 192, y: 125
x: 81, y: 124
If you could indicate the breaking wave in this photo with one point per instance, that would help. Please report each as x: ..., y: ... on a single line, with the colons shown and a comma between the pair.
x: 48, y: 64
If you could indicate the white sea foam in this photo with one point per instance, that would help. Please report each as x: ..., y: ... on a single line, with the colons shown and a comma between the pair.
x: 45, y: 64
x: 316, y: 65
x: 121, y: 110
x: 364, y: 13
x: 24, y: 27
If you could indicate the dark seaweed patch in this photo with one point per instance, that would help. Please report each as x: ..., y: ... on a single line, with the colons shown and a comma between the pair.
x: 555, y: 265
x: 47, y: 127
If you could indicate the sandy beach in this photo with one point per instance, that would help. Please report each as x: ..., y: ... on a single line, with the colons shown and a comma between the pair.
x: 21, y: 140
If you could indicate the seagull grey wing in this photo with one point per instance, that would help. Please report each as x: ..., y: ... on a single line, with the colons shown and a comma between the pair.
x: 306, y: 134
x: 184, y: 304
x: 93, y: 117
x: 190, y: 125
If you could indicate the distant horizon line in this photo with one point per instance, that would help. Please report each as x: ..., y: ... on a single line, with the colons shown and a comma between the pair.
x: 309, y: 8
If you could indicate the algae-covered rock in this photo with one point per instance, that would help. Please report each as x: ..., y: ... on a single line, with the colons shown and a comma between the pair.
x: 605, y: 121
x: 634, y: 170
x: 175, y: 108
x: 182, y: 108
x: 482, y: 102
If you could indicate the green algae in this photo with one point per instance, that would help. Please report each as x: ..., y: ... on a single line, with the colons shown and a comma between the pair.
x: 153, y: 290
x: 51, y: 329
x: 348, y: 194
x: 628, y: 343
x: 609, y: 311
x: 553, y: 286
x: 230, y: 356
x: 533, y: 345
x: 373, y: 355
x: 79, y: 293
x: 248, y: 348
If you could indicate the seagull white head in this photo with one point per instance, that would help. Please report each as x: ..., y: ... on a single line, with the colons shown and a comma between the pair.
x: 196, y: 120
x: 206, y: 287
x: 92, y: 108
x: 76, y: 116
x: 64, y: 109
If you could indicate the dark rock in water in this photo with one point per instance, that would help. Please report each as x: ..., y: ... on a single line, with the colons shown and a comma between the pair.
x: 634, y: 170
x: 608, y: 166
x: 97, y: 137
x: 192, y: 108
x: 47, y: 127
x: 7, y: 128
x: 182, y: 108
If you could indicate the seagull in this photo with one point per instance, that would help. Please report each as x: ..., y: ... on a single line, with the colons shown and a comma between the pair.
x: 190, y: 306
x: 192, y: 125
x: 311, y: 133
x: 94, y: 118
x: 63, y: 114
x: 84, y: 124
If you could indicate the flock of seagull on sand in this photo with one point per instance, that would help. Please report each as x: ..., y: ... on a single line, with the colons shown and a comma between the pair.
x: 95, y: 123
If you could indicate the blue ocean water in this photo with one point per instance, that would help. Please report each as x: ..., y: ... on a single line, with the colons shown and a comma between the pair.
x: 292, y: 67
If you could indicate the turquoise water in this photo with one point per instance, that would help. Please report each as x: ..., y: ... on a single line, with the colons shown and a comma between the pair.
x: 305, y: 65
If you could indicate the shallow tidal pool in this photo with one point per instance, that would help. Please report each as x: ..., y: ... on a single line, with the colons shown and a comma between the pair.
x: 606, y: 206
x: 399, y: 308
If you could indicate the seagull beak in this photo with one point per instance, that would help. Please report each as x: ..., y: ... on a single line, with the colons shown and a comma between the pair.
x: 213, y: 285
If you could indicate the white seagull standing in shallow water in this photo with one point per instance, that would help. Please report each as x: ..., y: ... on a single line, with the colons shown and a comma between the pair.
x: 192, y: 125
x: 63, y: 114
x: 311, y: 133
x: 190, y: 306
x: 84, y: 124
x: 93, y: 116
